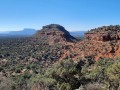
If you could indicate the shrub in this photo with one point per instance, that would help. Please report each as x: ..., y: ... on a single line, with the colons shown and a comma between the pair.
x: 98, y: 70
x: 6, y: 84
x: 64, y: 86
x: 113, y: 76
x: 94, y: 86
x: 40, y: 82
x: 18, y: 69
x: 65, y: 73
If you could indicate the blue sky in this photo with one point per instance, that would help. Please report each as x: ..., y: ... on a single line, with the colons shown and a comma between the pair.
x: 74, y: 15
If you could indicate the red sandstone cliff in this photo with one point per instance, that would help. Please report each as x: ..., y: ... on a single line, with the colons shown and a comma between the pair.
x: 102, y: 42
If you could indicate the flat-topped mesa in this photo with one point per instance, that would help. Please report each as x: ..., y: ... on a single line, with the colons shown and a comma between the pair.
x: 54, y: 33
x: 105, y: 33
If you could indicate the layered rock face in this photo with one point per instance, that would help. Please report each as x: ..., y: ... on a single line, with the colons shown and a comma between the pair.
x: 105, y: 33
x: 54, y: 33
x: 102, y: 42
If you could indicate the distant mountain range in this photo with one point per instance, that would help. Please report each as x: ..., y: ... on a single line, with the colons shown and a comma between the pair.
x: 29, y: 32
x: 23, y: 33
x: 78, y: 33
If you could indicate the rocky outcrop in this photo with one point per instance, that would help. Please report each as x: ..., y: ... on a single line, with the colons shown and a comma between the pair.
x: 54, y: 33
x: 102, y: 42
x: 99, y: 43
x: 105, y: 33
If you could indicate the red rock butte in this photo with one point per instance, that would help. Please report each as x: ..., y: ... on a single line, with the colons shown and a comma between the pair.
x: 54, y: 33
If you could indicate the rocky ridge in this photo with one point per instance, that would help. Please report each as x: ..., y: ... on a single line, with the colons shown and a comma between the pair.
x: 105, y: 33
x: 102, y: 42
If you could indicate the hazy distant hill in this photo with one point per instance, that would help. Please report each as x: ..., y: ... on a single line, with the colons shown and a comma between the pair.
x: 23, y: 33
x: 78, y: 33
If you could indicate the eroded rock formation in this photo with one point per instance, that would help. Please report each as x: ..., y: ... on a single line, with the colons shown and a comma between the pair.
x: 102, y: 42
x: 105, y: 33
x: 54, y: 33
